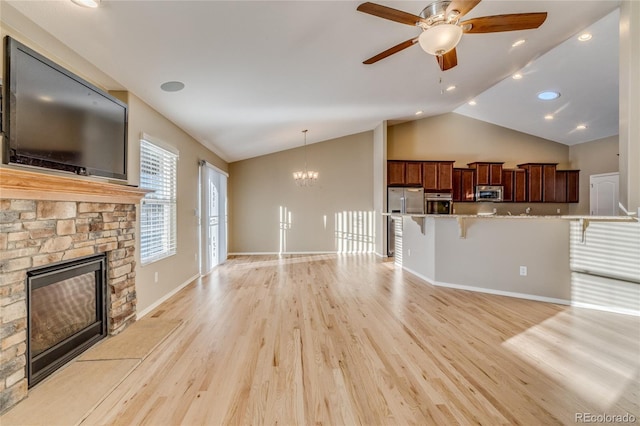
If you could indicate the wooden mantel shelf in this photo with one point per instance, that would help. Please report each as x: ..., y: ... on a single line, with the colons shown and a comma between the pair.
x: 29, y: 185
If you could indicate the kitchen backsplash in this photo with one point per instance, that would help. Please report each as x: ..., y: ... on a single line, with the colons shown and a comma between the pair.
x: 536, y: 209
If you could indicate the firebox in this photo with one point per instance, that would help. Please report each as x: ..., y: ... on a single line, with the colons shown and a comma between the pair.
x: 66, y: 313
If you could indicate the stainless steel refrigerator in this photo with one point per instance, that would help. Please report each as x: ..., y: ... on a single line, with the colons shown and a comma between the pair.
x: 403, y: 200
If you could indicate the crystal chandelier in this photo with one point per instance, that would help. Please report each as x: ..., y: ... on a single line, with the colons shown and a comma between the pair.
x: 305, y: 177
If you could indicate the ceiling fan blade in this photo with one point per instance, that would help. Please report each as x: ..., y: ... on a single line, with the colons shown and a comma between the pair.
x: 498, y: 23
x: 448, y: 60
x: 389, y: 13
x: 462, y: 6
x: 395, y: 49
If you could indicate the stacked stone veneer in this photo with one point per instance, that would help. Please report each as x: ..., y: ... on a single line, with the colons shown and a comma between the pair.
x: 37, y: 233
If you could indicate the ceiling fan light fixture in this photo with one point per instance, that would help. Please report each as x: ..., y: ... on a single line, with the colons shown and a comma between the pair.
x: 440, y: 39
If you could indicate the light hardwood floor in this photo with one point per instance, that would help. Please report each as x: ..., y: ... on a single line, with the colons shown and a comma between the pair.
x: 349, y: 339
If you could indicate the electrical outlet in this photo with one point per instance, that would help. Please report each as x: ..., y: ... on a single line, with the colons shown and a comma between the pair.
x: 409, y: 252
x: 155, y: 277
x: 523, y: 271
x: 558, y: 211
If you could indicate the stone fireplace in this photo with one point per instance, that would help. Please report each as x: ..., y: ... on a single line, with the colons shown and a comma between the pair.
x: 45, y: 219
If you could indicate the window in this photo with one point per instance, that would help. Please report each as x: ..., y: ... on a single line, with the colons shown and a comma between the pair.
x: 158, y: 172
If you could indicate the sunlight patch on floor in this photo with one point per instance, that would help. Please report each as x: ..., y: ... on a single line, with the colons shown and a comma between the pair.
x: 594, y: 362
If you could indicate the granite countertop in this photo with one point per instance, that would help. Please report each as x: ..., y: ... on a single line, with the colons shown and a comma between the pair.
x: 519, y: 216
x: 533, y: 216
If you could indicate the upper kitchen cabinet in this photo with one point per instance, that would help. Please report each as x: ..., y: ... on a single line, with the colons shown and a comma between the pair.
x: 395, y: 173
x: 404, y: 173
x: 413, y: 173
x: 463, y: 189
x: 515, y: 185
x: 567, y: 186
x: 487, y: 173
x: 437, y: 175
x: 573, y: 186
x: 541, y: 182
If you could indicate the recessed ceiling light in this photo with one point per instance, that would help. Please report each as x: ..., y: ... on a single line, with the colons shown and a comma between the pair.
x: 518, y: 43
x: 581, y: 126
x: 472, y: 103
x: 517, y: 76
x: 418, y: 112
x: 450, y: 88
x: 584, y: 37
x: 172, y: 86
x: 548, y: 95
x: 87, y: 3
x: 548, y: 117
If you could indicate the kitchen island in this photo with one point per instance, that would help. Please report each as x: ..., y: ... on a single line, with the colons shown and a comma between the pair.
x: 578, y: 260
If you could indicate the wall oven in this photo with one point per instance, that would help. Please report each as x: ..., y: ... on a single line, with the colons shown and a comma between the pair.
x: 489, y: 193
x: 437, y: 203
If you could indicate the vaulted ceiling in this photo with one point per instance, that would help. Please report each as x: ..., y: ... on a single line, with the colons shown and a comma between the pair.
x: 257, y: 73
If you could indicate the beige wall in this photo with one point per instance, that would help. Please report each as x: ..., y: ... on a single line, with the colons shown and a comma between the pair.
x: 260, y: 187
x: 183, y: 266
x: 592, y: 158
x: 454, y: 137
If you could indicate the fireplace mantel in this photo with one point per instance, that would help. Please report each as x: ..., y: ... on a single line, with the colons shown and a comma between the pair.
x: 28, y: 185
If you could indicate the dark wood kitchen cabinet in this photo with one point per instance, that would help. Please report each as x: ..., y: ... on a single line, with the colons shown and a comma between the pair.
x: 404, y: 173
x: 561, y: 186
x: 463, y: 185
x: 573, y: 186
x: 567, y: 184
x: 487, y: 173
x: 395, y: 173
x: 541, y: 181
x: 437, y: 175
x: 413, y: 173
x: 549, y: 183
x: 515, y: 185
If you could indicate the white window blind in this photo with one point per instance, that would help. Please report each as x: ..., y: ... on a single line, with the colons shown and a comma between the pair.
x: 158, y: 172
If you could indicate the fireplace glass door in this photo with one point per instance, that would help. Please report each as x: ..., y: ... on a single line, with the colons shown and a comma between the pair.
x: 66, y: 313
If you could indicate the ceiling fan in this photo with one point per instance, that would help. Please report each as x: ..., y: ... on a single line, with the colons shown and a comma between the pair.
x: 441, y: 29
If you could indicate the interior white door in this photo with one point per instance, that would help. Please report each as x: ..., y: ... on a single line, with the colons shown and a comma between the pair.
x: 603, y: 194
x: 214, y: 217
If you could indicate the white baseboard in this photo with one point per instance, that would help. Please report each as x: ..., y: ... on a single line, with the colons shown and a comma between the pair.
x: 491, y: 291
x: 269, y: 253
x: 166, y: 297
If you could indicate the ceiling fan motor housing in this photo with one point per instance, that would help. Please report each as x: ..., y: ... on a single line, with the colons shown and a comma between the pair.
x: 436, y: 13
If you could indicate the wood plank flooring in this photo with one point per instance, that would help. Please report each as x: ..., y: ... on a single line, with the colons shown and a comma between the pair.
x: 350, y: 339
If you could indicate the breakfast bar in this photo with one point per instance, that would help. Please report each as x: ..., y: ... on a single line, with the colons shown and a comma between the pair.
x: 533, y: 257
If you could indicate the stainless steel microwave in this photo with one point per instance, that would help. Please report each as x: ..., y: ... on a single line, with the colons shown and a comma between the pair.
x: 489, y: 193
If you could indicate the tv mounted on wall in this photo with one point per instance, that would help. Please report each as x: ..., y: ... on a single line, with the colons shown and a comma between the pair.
x: 54, y: 119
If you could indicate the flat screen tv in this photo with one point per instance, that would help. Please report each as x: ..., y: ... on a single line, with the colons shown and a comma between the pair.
x: 54, y: 119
